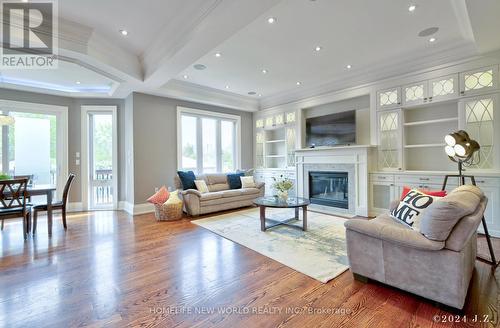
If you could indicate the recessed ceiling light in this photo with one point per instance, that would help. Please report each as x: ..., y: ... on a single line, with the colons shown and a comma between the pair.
x: 252, y: 93
x: 318, y: 48
x: 199, y: 67
x: 264, y: 71
x: 227, y: 86
x: 124, y: 32
x: 271, y: 20
x: 218, y: 54
x: 412, y: 8
x: 298, y: 83
x: 432, y: 40
x: 260, y: 94
x: 348, y: 67
x: 78, y: 82
x: 185, y: 76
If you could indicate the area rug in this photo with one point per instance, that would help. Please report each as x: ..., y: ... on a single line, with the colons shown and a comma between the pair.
x: 319, y: 252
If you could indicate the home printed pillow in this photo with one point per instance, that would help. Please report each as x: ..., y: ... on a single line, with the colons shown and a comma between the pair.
x: 411, y: 207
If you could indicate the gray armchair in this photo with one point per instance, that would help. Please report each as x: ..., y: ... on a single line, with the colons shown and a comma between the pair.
x: 440, y: 268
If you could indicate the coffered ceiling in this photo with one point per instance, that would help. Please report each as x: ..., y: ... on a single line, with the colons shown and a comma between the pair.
x: 310, y: 44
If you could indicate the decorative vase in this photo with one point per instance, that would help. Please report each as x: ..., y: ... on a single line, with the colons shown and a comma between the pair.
x: 283, y: 195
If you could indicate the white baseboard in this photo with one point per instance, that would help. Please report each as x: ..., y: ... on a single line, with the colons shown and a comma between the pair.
x: 74, y: 207
x: 136, y: 209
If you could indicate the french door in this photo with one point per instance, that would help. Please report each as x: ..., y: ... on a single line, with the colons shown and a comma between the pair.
x: 99, y: 157
x: 35, y: 144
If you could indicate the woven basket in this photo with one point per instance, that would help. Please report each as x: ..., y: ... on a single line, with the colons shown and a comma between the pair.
x: 168, y: 212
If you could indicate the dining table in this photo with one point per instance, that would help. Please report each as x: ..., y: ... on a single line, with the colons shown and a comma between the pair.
x: 46, y: 190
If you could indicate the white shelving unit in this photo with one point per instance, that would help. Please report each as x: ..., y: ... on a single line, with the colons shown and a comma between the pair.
x: 275, y: 140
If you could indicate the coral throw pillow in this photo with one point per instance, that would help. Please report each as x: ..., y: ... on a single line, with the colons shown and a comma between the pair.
x: 160, y: 196
x: 435, y: 193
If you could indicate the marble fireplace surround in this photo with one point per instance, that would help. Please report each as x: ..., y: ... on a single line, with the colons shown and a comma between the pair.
x: 351, y: 159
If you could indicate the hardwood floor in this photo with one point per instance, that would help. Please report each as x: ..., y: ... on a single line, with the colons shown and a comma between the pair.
x: 109, y: 269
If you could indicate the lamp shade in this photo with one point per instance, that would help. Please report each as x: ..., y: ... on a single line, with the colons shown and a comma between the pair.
x: 450, y: 151
x: 456, y: 138
x: 459, y: 146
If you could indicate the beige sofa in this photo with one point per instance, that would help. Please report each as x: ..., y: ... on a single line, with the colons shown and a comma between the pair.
x: 220, y: 197
x: 440, y: 269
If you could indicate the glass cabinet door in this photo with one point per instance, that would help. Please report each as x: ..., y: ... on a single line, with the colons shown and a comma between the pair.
x: 477, y: 117
x: 290, y: 147
x: 290, y: 117
x: 415, y: 94
x: 259, y: 149
x: 389, y: 98
x: 269, y: 122
x: 478, y: 80
x: 279, y: 119
x: 390, y: 140
x: 443, y: 88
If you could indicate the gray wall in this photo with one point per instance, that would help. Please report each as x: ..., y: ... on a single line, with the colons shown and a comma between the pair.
x: 360, y: 104
x: 155, y: 141
x: 74, y: 124
x: 147, y: 138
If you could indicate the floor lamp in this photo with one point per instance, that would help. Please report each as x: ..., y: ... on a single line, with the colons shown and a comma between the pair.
x: 460, y: 148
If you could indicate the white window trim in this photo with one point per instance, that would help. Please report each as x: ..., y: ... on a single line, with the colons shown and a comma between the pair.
x: 199, y: 112
x: 85, y: 110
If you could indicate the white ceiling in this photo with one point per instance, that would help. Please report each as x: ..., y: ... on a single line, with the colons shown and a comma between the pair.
x: 167, y: 37
x: 144, y: 20
x: 68, y: 78
x: 356, y: 32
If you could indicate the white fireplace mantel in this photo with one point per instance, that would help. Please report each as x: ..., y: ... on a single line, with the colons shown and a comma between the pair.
x: 328, y: 158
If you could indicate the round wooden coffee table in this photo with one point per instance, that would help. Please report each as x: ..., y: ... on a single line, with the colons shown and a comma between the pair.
x: 291, y: 202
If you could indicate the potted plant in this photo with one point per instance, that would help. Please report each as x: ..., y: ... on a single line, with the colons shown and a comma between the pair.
x: 282, y: 186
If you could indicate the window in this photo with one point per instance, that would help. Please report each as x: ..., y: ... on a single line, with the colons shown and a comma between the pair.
x: 35, y: 144
x: 209, y: 142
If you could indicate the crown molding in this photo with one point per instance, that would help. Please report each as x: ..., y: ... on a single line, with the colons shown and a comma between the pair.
x: 377, y: 72
x: 321, y: 98
x: 206, y: 95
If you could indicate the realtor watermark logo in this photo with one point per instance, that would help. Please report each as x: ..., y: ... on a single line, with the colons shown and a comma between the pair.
x: 29, y: 34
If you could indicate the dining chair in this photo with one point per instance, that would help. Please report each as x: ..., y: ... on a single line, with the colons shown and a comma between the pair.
x: 13, y: 196
x: 60, y: 205
x: 30, y: 182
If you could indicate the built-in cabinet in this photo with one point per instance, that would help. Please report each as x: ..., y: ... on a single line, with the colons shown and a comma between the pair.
x: 390, y: 140
x: 478, y: 81
x: 386, y: 187
x: 275, y: 143
x: 411, y: 135
x: 412, y: 120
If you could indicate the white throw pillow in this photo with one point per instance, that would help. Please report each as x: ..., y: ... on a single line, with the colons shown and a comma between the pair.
x: 410, y: 208
x: 201, y: 185
x: 247, y: 182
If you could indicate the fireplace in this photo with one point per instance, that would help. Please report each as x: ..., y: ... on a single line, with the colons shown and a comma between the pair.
x: 329, y: 188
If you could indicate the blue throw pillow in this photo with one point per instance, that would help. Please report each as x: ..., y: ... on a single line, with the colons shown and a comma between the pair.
x: 187, y: 179
x: 234, y: 181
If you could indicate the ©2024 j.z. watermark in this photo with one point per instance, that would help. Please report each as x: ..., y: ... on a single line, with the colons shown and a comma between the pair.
x: 29, y: 34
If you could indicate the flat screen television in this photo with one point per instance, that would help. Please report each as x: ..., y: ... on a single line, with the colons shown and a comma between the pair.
x: 331, y: 130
